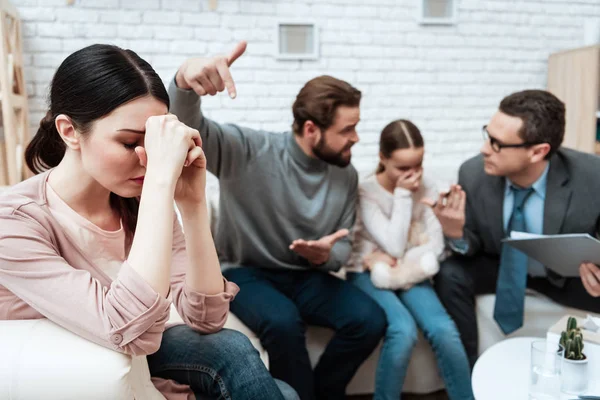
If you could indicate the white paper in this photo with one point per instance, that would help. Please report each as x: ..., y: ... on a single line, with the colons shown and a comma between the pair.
x: 524, y: 235
x: 591, y: 323
x: 561, y: 253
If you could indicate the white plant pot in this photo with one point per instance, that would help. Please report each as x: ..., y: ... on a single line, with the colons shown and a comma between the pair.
x: 574, y: 376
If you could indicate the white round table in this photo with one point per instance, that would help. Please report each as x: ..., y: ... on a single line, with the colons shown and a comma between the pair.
x: 502, y: 371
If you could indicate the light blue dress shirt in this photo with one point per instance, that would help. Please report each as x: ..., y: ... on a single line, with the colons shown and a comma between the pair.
x: 534, y: 218
x: 533, y: 211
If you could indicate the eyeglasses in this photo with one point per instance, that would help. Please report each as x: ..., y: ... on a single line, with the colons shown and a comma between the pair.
x: 497, y: 146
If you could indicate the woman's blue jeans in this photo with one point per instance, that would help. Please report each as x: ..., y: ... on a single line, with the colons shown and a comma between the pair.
x: 222, y: 365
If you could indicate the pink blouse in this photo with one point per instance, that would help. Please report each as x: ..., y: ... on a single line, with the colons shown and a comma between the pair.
x: 44, y: 273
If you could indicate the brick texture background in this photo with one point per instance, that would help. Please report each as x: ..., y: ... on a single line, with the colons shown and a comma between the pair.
x: 446, y: 79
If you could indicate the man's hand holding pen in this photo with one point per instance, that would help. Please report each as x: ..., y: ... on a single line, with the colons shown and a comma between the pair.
x: 449, y: 208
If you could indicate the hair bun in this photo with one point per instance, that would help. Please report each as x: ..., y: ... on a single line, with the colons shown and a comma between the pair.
x: 48, y: 120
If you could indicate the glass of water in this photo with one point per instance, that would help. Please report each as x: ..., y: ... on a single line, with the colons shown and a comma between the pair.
x: 546, y: 364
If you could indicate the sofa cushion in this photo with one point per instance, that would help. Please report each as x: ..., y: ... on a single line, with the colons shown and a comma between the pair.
x: 422, y: 376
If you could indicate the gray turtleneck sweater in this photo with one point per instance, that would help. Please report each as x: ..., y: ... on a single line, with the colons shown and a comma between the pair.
x: 271, y: 192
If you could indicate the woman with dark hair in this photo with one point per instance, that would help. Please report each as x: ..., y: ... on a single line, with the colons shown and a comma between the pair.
x: 398, y: 241
x: 92, y: 241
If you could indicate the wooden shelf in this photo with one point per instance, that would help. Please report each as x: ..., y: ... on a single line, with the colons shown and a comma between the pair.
x: 574, y: 77
x: 13, y: 98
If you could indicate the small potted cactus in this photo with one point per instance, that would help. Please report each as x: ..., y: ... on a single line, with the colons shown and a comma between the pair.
x: 575, y: 365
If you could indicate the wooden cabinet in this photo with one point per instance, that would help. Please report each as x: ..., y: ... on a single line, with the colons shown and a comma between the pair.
x: 574, y: 77
x: 13, y: 98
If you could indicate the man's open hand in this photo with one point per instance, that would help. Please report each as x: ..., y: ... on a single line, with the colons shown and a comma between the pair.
x: 317, y: 251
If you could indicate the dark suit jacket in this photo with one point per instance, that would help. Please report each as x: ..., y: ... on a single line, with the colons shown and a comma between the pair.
x: 572, y: 202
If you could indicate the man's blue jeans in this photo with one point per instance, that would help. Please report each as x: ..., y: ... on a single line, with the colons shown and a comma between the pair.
x: 277, y: 305
x: 222, y: 365
x: 407, y: 311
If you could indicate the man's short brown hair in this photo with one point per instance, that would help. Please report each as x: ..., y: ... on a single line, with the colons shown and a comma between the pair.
x: 319, y: 100
x: 543, y: 116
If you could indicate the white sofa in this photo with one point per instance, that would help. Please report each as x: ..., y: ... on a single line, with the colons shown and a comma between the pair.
x: 41, y: 360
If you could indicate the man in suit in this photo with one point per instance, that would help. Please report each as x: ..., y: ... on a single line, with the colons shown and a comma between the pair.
x: 521, y: 181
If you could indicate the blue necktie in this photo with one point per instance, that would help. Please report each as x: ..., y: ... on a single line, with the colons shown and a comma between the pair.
x: 512, y: 277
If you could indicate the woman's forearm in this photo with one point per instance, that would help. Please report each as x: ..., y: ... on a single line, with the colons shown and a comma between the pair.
x: 204, y: 273
x: 151, y: 250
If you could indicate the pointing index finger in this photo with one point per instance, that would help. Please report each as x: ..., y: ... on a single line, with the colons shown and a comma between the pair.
x: 223, y: 68
x: 225, y: 74
x: 237, y: 51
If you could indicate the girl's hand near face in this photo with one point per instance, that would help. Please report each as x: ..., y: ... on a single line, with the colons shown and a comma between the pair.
x: 410, y: 180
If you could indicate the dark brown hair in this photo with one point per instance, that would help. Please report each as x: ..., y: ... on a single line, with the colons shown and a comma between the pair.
x: 319, y: 99
x: 543, y: 116
x: 399, y: 134
x: 88, y: 85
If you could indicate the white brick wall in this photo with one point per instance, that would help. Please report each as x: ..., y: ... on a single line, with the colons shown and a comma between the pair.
x: 447, y: 79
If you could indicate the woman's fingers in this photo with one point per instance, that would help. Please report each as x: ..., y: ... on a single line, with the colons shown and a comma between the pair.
x: 196, y: 139
x: 195, y: 157
x: 163, y: 138
x: 141, y: 153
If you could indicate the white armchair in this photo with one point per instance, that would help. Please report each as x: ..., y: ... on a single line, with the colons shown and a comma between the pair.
x: 39, y: 359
